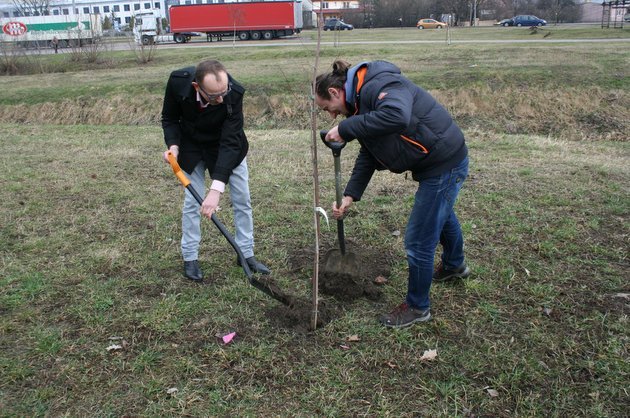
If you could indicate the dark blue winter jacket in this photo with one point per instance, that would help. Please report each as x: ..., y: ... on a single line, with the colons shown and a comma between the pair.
x: 400, y: 127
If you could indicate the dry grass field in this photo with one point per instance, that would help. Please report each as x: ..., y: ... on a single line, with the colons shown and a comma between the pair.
x: 97, y: 319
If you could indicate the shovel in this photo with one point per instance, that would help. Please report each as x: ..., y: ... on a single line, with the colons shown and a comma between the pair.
x: 268, y: 288
x: 338, y: 261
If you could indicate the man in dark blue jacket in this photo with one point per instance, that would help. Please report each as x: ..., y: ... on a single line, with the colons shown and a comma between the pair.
x: 401, y: 127
x: 202, y: 119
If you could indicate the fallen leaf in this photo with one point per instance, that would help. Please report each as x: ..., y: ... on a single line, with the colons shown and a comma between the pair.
x: 429, y: 355
x: 353, y: 338
x: 344, y: 347
x: 391, y: 365
x: 171, y: 391
x: 396, y: 233
x: 380, y: 280
x: 547, y: 311
x: 622, y: 295
x: 114, y: 347
x: 493, y: 393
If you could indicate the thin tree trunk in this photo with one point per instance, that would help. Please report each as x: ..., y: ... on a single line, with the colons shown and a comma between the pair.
x: 315, y: 284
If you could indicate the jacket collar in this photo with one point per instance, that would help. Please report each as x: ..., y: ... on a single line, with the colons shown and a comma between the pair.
x: 353, y: 85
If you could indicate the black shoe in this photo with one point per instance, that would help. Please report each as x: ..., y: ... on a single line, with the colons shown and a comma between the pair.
x: 192, y: 271
x: 441, y: 274
x: 255, y: 266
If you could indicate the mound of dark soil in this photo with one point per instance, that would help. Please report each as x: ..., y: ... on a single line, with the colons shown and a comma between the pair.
x: 343, y: 281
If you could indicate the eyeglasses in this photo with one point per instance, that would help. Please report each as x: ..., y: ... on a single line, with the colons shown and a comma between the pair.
x: 212, y: 97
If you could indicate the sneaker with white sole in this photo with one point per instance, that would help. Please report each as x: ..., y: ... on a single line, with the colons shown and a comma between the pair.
x: 404, y: 315
x: 442, y: 275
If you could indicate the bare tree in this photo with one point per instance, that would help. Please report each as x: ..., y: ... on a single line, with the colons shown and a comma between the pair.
x: 458, y: 8
x: 32, y: 7
x: 558, y: 10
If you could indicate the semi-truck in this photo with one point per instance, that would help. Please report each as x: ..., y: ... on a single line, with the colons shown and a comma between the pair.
x: 252, y: 20
x: 39, y: 31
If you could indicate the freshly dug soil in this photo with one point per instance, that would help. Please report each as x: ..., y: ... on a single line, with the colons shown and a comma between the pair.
x: 343, y: 287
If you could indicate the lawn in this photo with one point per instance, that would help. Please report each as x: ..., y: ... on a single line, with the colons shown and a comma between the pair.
x: 97, y: 319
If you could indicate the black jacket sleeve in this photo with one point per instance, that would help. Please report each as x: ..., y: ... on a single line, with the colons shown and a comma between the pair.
x: 171, y: 114
x: 178, y: 83
x: 232, y: 141
x: 392, y: 104
x: 364, y: 168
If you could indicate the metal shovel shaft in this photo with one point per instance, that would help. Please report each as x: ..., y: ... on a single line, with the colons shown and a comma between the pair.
x: 225, y: 233
x: 339, y: 197
x: 267, y: 289
x: 336, y: 148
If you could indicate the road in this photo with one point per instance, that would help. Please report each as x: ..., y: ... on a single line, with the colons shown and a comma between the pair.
x: 299, y: 41
x: 303, y: 42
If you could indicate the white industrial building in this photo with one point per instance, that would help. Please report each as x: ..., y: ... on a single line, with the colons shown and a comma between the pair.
x: 119, y: 11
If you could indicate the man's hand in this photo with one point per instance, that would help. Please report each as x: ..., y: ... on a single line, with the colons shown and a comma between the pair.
x: 333, y: 135
x: 173, y: 149
x: 210, y: 203
x: 339, y: 212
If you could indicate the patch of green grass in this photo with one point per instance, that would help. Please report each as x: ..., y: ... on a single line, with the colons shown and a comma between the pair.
x: 48, y: 342
x: 19, y: 289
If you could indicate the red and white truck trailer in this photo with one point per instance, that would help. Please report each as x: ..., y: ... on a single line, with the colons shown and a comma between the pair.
x: 40, y: 31
x: 252, y: 20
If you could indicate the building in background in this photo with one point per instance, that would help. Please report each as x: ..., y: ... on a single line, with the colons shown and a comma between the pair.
x: 121, y: 12
x: 338, y: 9
x: 606, y: 12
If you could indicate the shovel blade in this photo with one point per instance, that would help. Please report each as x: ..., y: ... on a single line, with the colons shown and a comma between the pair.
x: 338, y: 263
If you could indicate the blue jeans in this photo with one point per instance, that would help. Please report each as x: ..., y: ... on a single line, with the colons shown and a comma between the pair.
x: 433, y: 220
x: 241, y: 204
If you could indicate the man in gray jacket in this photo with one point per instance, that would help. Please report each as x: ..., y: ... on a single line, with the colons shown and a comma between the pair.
x: 401, y: 127
x: 202, y: 119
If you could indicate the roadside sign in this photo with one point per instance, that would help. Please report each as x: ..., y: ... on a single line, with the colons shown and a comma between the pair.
x: 14, y: 28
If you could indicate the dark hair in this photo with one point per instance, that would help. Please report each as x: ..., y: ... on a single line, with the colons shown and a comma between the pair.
x: 335, y: 79
x: 204, y: 68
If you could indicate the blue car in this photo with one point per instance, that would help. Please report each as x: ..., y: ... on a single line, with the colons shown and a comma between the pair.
x: 336, y: 24
x: 505, y: 22
x: 527, y: 20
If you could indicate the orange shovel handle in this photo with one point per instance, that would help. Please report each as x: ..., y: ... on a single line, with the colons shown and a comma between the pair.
x: 177, y: 169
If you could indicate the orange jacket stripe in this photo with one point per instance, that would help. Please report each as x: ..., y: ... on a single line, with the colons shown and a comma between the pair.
x: 361, y: 77
x: 411, y: 141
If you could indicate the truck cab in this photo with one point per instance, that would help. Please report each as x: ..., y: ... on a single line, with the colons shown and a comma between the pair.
x: 148, y: 30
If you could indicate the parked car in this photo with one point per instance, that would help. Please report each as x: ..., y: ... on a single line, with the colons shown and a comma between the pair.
x: 528, y: 20
x: 505, y: 22
x: 336, y: 24
x: 626, y: 17
x: 430, y: 24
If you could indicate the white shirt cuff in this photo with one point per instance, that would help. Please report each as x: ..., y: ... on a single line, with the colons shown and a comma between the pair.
x: 217, y: 185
